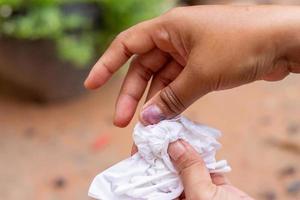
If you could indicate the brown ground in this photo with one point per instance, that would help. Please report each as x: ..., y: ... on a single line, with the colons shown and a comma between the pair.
x: 52, y: 152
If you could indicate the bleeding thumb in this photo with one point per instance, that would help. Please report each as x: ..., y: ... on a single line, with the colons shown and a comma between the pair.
x: 165, y: 104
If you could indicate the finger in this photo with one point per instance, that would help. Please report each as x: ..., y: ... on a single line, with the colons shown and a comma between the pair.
x: 140, y: 72
x: 174, y: 98
x: 182, y: 196
x: 279, y: 72
x: 164, y: 77
x: 219, y: 179
x: 179, y: 58
x: 136, y: 40
x: 134, y: 149
x: 192, y: 169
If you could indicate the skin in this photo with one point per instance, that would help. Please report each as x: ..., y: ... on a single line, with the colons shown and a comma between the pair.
x: 198, y: 183
x: 191, y: 51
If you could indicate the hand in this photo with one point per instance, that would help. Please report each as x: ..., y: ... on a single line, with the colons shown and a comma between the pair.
x: 191, y: 51
x: 198, y: 183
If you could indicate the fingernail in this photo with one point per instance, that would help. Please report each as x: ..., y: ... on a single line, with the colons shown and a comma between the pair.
x: 176, y: 149
x: 152, y: 114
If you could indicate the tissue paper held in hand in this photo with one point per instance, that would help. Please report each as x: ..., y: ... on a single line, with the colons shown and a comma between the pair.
x: 150, y: 174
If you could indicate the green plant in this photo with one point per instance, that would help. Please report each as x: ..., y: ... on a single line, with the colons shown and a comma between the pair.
x: 78, y: 36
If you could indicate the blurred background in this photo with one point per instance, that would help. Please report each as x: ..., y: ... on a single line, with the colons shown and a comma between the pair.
x: 55, y: 136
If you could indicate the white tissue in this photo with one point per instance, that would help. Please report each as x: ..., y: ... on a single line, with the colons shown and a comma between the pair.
x: 150, y: 174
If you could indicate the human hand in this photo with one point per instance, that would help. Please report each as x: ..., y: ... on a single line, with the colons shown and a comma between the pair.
x: 197, y: 182
x: 191, y: 51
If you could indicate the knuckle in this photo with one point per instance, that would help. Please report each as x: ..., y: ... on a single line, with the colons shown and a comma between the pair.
x: 187, y: 164
x: 143, y: 72
x: 208, y: 192
x: 164, y: 80
x: 122, y: 39
x: 145, y: 24
x: 203, y: 190
x: 106, y: 67
x: 122, y: 36
x: 174, y: 11
x: 171, y: 101
x: 188, y: 161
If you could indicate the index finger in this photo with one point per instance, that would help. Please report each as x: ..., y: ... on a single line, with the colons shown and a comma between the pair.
x: 136, y: 40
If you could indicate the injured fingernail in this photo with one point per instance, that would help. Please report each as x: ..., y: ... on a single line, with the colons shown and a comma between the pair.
x: 152, y: 115
x: 176, y: 149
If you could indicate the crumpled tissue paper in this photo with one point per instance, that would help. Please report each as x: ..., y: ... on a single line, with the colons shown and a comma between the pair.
x: 150, y: 174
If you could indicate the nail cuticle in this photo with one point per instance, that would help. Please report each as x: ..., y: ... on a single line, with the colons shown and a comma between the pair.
x: 152, y: 114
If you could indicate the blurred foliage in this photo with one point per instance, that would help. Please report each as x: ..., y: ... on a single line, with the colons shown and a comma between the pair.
x: 80, y: 29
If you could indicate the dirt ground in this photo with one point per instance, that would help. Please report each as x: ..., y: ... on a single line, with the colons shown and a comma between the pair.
x: 53, y: 151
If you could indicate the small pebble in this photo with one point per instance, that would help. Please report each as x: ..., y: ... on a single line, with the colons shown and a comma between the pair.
x: 294, y: 187
x: 269, y: 195
x: 59, y: 182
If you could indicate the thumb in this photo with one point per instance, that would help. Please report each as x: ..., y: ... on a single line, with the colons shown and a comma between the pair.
x: 174, y: 98
x: 192, y: 169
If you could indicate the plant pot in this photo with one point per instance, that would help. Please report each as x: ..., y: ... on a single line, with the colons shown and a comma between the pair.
x: 33, y: 68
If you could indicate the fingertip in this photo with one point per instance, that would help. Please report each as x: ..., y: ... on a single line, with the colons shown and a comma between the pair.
x: 189, y: 147
x: 176, y: 150
x: 134, y: 149
x: 151, y: 114
x: 97, y: 77
x: 125, y: 109
x: 121, y: 120
x: 87, y: 84
x: 142, y: 120
x: 219, y: 179
x: 92, y: 82
x: 188, y: 161
x: 120, y: 123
